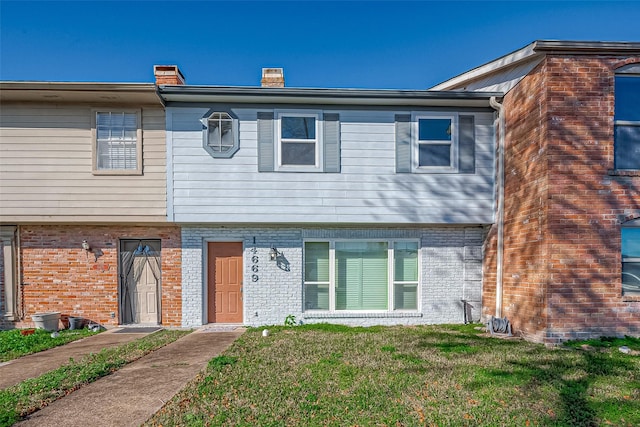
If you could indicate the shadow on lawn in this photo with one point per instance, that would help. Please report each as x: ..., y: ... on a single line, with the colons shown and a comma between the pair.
x: 571, y: 377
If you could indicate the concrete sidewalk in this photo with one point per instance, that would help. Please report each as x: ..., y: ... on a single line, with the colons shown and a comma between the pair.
x: 34, y: 365
x: 131, y: 395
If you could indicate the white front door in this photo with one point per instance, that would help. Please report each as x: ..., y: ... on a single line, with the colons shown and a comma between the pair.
x: 140, y: 276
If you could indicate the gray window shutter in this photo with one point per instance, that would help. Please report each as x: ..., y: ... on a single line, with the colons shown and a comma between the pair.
x: 331, y: 142
x: 403, y: 143
x: 266, y: 147
x: 467, y: 145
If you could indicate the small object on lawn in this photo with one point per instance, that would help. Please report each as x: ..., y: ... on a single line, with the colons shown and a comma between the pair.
x: 265, y: 332
x: 624, y: 349
x: 55, y: 335
x: 26, y: 332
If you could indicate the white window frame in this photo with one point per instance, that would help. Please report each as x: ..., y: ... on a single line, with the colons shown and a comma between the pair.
x: 415, y: 144
x: 317, y: 115
x: 94, y: 143
x: 628, y: 71
x: 635, y: 224
x: 390, y: 279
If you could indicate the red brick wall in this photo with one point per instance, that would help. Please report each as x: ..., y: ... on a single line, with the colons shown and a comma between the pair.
x: 563, y: 210
x: 58, y: 275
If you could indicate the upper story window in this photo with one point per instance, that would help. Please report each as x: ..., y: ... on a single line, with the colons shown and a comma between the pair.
x: 117, y: 145
x: 627, y: 117
x: 631, y: 258
x: 298, y: 141
x: 435, y: 142
x: 299, y: 137
x: 220, y: 134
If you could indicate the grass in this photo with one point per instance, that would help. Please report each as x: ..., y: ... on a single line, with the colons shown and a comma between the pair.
x: 13, y: 344
x: 36, y: 393
x: 329, y: 375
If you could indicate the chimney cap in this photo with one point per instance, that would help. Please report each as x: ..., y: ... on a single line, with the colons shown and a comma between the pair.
x: 272, y: 77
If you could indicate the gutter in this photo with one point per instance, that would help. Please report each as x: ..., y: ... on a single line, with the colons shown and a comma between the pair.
x: 500, y: 219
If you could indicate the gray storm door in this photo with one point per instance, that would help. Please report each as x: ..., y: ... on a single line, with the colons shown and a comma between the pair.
x: 140, y: 281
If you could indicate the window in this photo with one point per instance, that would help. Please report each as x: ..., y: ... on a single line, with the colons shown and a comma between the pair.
x: 220, y: 134
x: 627, y: 117
x: 435, y: 142
x: 361, y: 275
x: 299, y: 141
x: 117, y: 142
x: 631, y: 260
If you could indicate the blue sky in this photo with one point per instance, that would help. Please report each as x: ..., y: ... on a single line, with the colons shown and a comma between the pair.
x: 363, y: 44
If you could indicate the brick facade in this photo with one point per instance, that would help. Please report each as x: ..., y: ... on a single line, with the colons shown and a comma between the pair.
x: 451, y: 271
x: 564, y: 205
x: 58, y: 275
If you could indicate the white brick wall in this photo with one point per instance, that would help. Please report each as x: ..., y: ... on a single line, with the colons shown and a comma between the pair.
x: 451, y: 271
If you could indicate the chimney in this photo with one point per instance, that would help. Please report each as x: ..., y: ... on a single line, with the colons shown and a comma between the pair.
x: 168, y: 75
x: 272, y: 77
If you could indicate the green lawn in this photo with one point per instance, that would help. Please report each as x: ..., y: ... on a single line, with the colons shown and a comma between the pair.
x: 408, y: 376
x: 13, y: 344
x: 35, y: 393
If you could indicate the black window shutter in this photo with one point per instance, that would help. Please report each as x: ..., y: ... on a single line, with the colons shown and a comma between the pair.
x: 331, y: 142
x: 403, y: 143
x: 467, y: 145
x: 266, y: 149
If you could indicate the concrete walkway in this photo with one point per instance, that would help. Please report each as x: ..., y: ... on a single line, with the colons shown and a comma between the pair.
x: 131, y: 395
x: 34, y: 365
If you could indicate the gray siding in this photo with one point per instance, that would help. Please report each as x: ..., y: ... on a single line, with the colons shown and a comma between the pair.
x: 367, y: 189
x: 46, y: 169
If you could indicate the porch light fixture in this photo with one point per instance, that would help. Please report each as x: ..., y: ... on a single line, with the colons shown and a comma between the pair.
x: 85, y: 246
x: 274, y: 253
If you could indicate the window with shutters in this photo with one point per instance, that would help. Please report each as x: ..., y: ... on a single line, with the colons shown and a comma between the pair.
x: 220, y: 134
x: 627, y: 117
x: 345, y: 275
x: 436, y: 143
x: 117, y: 142
x: 298, y: 141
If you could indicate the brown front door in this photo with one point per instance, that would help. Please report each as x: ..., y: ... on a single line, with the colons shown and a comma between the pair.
x: 224, y: 282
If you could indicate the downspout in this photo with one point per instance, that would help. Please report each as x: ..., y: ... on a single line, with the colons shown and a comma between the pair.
x: 500, y: 202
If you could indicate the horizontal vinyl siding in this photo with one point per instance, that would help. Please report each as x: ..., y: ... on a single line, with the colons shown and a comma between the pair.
x: 367, y: 190
x: 46, y: 169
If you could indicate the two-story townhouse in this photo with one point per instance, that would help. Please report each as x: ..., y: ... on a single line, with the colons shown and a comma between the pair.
x: 562, y: 261
x: 83, y: 205
x: 331, y: 205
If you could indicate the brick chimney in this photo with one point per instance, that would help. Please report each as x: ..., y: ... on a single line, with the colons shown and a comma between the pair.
x: 168, y: 75
x: 272, y: 77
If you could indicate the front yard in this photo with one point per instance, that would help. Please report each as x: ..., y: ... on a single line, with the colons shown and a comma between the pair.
x: 408, y: 376
x: 14, y: 344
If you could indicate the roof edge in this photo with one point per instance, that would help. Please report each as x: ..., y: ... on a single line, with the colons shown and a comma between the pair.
x: 537, y: 49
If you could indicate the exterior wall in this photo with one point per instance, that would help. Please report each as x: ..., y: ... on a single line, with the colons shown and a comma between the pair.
x: 46, y: 168
x: 58, y: 275
x: 564, y: 204
x: 367, y: 190
x: 3, y: 323
x: 451, y: 271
